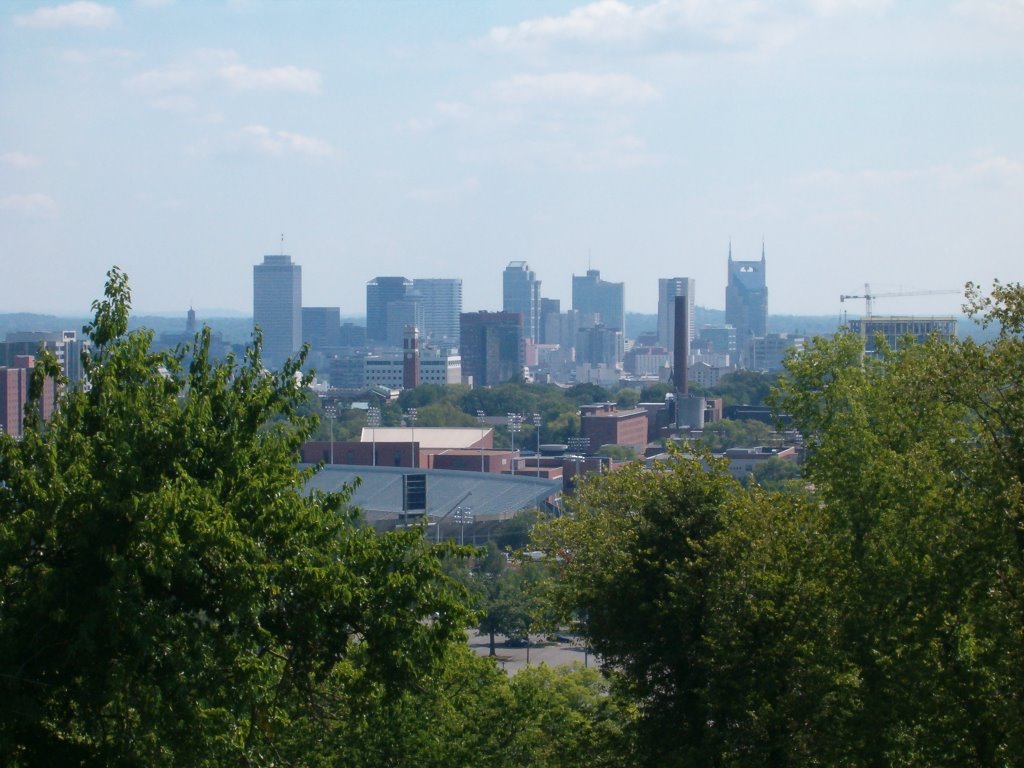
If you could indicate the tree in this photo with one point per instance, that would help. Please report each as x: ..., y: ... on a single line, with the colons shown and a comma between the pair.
x: 168, y: 592
x: 683, y: 584
x: 617, y: 452
x: 735, y: 433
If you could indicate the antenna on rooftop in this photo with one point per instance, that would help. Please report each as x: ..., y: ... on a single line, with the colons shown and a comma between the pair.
x: 282, y: 243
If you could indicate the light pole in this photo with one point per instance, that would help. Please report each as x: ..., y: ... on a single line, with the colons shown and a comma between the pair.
x: 411, y: 415
x: 536, y: 429
x: 331, y: 412
x: 577, y: 444
x: 373, y: 421
x: 462, y: 516
x: 515, y: 423
x: 480, y: 415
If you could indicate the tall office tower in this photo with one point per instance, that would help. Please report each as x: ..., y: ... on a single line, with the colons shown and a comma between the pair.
x: 402, y: 313
x: 491, y: 346
x: 746, y: 302
x: 593, y: 296
x: 521, y: 293
x: 321, y: 327
x: 550, y: 309
x: 379, y: 293
x: 599, y: 345
x: 277, y: 307
x: 442, y: 304
x: 668, y: 289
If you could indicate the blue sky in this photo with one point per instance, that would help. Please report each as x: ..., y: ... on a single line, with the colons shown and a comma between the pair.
x: 864, y: 141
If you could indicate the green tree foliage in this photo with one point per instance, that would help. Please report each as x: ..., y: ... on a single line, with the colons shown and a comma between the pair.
x: 682, y: 582
x: 735, y: 433
x: 916, y: 458
x: 776, y: 474
x: 168, y: 593
x: 744, y: 388
x: 617, y: 452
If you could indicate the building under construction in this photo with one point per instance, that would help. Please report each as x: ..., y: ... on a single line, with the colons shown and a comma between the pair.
x: 896, y: 328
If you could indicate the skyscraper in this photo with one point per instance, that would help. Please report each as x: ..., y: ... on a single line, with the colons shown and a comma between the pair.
x: 491, y: 345
x: 746, y: 301
x: 668, y: 289
x: 442, y: 304
x: 379, y: 293
x: 521, y: 293
x: 593, y: 296
x: 277, y: 307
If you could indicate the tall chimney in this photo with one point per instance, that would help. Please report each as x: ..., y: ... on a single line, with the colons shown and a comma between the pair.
x: 681, y: 346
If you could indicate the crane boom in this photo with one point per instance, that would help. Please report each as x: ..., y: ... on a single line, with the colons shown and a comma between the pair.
x: 869, y: 297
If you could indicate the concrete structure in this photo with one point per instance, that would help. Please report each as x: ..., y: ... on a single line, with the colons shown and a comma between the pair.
x: 605, y: 424
x: 746, y: 302
x: 321, y: 327
x: 441, y: 299
x: 743, y: 461
x: 491, y: 344
x: 599, y: 345
x: 379, y: 292
x: 14, y: 385
x: 592, y: 296
x: 411, y: 357
x: 896, y: 328
x: 668, y: 289
x: 400, y: 315
x: 277, y: 307
x: 521, y: 293
x: 718, y: 339
x: 65, y: 346
x: 550, y: 311
x: 768, y: 352
x: 390, y: 370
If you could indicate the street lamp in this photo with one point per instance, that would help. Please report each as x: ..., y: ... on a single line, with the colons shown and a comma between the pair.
x: 462, y: 516
x: 536, y: 428
x: 515, y: 423
x: 332, y: 412
x: 373, y: 421
x: 411, y: 415
x: 480, y: 416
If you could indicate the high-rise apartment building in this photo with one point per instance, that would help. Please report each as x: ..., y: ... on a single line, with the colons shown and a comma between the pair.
x: 380, y: 292
x: 491, y: 346
x: 441, y: 299
x: 595, y: 298
x: 277, y: 307
x: 746, y: 302
x: 668, y: 289
x: 521, y: 293
x: 14, y: 385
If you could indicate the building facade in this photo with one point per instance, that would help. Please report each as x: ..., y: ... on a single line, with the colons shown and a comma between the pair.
x: 491, y: 345
x: 441, y: 299
x: 600, y: 299
x: 896, y: 328
x: 321, y: 327
x: 521, y: 293
x: 379, y: 293
x: 14, y: 385
x: 277, y: 307
x: 668, y: 289
x: 746, y: 302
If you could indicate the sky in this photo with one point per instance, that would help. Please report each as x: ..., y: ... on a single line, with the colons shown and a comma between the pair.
x: 861, y: 142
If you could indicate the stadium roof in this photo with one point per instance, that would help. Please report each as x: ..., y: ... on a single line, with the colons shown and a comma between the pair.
x: 379, y: 494
x: 427, y: 437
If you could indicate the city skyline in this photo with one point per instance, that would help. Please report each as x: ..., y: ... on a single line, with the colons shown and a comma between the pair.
x: 862, y: 141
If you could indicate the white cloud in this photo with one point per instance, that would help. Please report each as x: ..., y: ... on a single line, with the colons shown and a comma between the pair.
x: 276, y: 142
x: 19, y: 160
x: 679, y: 24
x: 1008, y: 13
x: 78, y: 14
x: 575, y: 86
x: 982, y: 168
x: 30, y: 204
x: 287, y: 78
x: 219, y: 67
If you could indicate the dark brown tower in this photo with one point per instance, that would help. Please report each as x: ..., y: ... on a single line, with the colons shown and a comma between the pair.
x: 681, y: 350
x: 411, y: 357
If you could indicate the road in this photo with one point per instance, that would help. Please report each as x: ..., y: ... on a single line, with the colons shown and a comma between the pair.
x: 541, y: 651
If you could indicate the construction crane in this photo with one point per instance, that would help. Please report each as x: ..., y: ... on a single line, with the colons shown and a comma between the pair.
x: 869, y: 297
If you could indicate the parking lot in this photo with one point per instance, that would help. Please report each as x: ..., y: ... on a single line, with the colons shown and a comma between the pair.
x: 540, y: 651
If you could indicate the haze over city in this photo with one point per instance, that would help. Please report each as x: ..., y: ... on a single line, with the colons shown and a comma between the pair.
x: 859, y: 140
